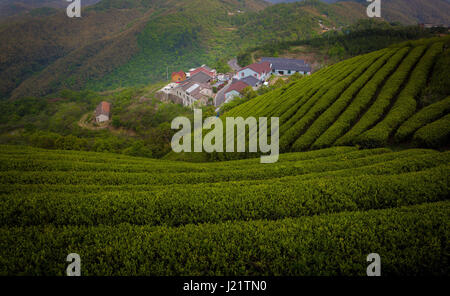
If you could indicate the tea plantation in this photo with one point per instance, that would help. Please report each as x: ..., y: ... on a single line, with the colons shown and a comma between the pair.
x: 312, y: 213
x: 374, y: 100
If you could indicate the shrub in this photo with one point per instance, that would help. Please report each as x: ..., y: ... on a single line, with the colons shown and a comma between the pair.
x: 360, y: 103
x: 423, y: 117
x: 412, y: 241
x: 436, y: 134
x: 384, y: 99
x: 405, y: 105
x: 330, y: 115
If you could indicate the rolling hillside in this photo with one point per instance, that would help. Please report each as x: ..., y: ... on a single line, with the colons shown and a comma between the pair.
x: 42, y: 54
x: 313, y: 213
x: 364, y: 165
x: 135, y: 41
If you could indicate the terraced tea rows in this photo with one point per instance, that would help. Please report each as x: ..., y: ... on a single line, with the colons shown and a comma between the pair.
x: 318, y: 212
x: 374, y: 100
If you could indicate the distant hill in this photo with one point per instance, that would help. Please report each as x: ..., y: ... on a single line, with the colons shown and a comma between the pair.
x: 10, y: 8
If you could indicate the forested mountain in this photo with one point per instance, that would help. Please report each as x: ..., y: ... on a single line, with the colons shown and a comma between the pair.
x: 405, y: 11
x: 121, y: 43
x: 10, y: 8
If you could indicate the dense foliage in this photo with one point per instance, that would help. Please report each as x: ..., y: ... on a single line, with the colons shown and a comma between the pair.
x: 140, y: 123
x: 134, y: 216
x: 362, y: 37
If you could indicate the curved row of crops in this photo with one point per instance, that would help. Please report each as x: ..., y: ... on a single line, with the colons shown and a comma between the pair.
x: 317, y: 212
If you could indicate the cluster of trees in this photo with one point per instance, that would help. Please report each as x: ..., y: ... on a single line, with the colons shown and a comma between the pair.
x: 102, y: 143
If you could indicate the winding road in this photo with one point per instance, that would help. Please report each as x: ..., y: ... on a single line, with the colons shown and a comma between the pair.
x: 234, y: 65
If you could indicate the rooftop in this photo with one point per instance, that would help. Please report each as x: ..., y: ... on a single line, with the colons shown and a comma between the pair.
x: 262, y: 67
x: 104, y: 108
x: 237, y: 86
x: 288, y: 64
x: 250, y: 80
x: 200, y: 77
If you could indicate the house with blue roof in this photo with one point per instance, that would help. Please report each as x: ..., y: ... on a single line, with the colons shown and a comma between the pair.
x: 287, y: 67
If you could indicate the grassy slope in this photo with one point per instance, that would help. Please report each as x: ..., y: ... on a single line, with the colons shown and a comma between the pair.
x: 405, y: 11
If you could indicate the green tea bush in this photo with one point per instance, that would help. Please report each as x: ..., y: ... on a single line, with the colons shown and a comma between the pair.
x: 423, y: 117
x: 360, y: 103
x: 406, y: 103
x: 324, y: 102
x: 384, y: 99
x: 436, y: 134
x: 411, y: 240
x: 329, y: 116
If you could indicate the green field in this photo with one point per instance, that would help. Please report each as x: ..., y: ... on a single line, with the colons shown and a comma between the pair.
x: 312, y: 213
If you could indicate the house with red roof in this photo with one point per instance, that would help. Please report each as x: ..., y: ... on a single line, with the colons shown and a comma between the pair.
x: 234, y: 90
x: 205, y: 69
x: 260, y: 71
x: 103, y: 112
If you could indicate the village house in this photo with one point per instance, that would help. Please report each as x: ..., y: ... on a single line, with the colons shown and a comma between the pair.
x: 192, y: 92
x: 234, y: 90
x: 178, y: 76
x: 102, y: 113
x: 197, y: 88
x: 287, y: 67
x: 204, y: 69
x: 252, y: 81
x: 201, y: 77
x: 189, y: 88
x: 260, y: 71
